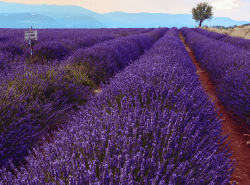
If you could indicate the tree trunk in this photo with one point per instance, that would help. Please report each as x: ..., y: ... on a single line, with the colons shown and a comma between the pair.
x: 200, y: 24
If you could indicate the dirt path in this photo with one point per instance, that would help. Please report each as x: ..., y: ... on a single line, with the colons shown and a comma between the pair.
x: 240, y: 140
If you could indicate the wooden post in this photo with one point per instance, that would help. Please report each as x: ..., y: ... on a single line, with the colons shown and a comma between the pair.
x: 31, y: 35
x: 31, y: 48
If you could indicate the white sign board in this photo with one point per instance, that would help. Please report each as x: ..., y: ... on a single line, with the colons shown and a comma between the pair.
x: 30, y: 35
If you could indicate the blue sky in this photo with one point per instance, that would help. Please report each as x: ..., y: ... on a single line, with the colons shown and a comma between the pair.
x: 238, y: 10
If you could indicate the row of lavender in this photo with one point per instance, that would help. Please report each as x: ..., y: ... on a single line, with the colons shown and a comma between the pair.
x: 56, y: 49
x: 54, y: 44
x: 36, y: 104
x: 228, y: 67
x: 116, y: 53
x: 235, y: 41
x: 153, y: 124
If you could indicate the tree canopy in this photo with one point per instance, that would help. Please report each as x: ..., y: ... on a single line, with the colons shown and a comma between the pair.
x: 201, y: 12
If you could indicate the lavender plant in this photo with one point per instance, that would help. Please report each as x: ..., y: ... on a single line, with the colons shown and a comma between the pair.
x: 26, y: 117
x: 233, y: 92
x: 42, y: 95
x: 97, y: 55
x: 227, y: 66
x: 153, y: 124
x: 235, y: 41
x: 11, y: 48
x: 4, y: 61
x: 51, y: 51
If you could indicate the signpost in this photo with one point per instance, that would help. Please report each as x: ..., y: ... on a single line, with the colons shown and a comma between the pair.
x: 31, y: 35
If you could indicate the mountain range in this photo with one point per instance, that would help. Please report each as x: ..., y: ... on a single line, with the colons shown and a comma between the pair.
x: 19, y: 15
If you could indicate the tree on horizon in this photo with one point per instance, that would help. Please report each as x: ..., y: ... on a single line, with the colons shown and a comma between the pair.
x: 201, y: 12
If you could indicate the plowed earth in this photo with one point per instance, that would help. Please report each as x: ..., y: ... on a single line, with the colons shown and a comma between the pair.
x: 239, y: 137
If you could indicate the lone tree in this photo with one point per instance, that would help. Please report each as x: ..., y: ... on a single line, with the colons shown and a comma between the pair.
x: 201, y: 12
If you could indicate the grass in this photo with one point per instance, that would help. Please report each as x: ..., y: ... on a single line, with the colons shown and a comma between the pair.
x: 240, y: 31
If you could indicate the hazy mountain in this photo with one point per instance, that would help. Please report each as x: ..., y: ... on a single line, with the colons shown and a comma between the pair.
x: 18, y: 15
x: 168, y: 20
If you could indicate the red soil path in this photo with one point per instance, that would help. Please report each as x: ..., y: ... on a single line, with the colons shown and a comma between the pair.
x: 240, y: 139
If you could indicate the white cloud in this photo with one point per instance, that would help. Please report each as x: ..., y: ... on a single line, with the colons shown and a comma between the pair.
x: 227, y: 5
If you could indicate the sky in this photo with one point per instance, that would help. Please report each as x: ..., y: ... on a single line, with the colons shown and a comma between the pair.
x: 238, y: 10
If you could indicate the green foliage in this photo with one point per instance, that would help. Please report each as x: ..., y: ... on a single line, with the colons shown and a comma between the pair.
x: 201, y: 12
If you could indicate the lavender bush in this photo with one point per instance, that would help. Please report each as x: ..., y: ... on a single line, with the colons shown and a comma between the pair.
x: 234, y: 92
x: 27, y: 116
x: 51, y: 51
x: 41, y: 97
x: 153, y: 124
x: 213, y: 35
x: 20, y: 48
x: 228, y: 67
x: 235, y: 41
x: 5, y: 61
x: 118, y: 53
x: 11, y: 48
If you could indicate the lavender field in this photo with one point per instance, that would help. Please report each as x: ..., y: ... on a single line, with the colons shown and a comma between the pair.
x: 151, y: 124
x: 231, y: 74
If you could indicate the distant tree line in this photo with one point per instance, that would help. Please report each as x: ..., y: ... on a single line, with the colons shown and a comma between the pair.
x: 218, y: 27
